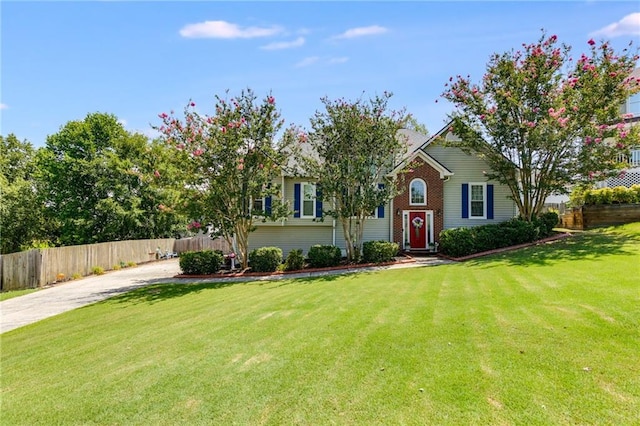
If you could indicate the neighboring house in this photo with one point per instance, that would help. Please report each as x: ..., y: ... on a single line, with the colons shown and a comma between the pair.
x: 631, y: 176
x: 445, y: 188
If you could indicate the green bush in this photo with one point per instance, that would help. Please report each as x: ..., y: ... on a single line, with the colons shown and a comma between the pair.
x: 379, y: 251
x: 295, y: 260
x: 265, y: 259
x: 617, y: 195
x: 200, y: 262
x: 324, y: 256
x: 635, y: 191
x: 459, y: 242
x: 623, y: 195
x: 546, y: 222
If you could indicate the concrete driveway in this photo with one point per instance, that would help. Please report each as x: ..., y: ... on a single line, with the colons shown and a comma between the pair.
x: 55, y: 300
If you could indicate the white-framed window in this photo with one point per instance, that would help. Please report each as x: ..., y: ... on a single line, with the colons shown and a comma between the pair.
x: 308, y: 200
x: 258, y: 205
x: 477, y: 200
x: 633, y: 105
x: 417, y: 192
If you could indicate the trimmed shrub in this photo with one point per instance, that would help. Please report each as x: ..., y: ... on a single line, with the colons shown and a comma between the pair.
x: 295, y: 260
x: 379, y: 251
x: 202, y: 262
x: 459, y: 242
x: 547, y: 221
x: 635, y: 191
x: 617, y: 195
x: 265, y: 259
x: 622, y: 195
x: 324, y: 256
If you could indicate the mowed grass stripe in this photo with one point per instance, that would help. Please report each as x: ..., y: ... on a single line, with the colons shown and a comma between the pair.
x: 546, y: 335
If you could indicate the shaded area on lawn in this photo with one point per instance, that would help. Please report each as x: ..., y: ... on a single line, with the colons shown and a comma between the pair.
x: 159, y: 290
x: 595, y: 244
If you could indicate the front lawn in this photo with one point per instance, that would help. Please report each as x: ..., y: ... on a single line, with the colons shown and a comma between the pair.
x: 545, y: 335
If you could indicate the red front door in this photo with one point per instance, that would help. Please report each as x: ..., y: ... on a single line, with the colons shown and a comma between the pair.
x: 418, y: 230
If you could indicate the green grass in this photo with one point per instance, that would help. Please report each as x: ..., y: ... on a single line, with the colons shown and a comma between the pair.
x: 545, y: 335
x: 6, y: 295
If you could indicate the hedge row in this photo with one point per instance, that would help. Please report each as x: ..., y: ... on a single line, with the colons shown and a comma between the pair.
x: 617, y: 195
x: 460, y: 242
x: 269, y: 259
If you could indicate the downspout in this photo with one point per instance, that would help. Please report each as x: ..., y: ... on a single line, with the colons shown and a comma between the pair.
x: 282, y: 197
x: 391, y: 219
x: 333, y: 232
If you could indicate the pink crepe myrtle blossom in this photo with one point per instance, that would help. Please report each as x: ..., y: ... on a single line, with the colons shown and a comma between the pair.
x: 194, y: 225
x: 192, y: 104
x: 271, y: 100
x: 156, y: 173
x: 591, y: 42
x: 198, y: 152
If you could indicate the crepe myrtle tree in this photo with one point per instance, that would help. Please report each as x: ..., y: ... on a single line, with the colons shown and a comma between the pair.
x: 543, y: 120
x: 353, y: 146
x: 229, y: 161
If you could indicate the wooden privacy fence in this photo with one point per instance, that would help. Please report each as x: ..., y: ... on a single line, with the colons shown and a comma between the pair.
x: 201, y: 243
x: 37, y: 268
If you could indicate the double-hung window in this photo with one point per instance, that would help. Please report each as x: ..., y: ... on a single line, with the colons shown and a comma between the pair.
x: 308, y: 200
x: 477, y: 200
x: 258, y: 205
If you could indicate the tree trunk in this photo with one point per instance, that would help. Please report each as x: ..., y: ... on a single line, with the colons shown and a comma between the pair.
x: 346, y: 230
x: 242, y: 240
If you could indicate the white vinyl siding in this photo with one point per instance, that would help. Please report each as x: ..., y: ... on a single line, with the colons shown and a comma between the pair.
x: 466, y: 169
x: 374, y: 229
x: 290, y: 237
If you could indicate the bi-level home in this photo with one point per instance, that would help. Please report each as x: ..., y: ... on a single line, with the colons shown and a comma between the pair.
x: 445, y: 188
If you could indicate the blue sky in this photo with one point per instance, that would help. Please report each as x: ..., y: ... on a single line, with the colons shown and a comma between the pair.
x: 63, y: 60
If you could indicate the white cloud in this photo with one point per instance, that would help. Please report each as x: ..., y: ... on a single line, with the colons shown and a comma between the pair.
x: 307, y: 61
x: 340, y: 60
x: 4, y: 106
x: 629, y: 25
x: 278, y: 45
x: 362, y: 31
x: 123, y: 122
x: 223, y: 29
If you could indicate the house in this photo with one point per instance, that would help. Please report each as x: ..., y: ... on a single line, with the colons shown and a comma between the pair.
x: 445, y: 188
x: 631, y: 175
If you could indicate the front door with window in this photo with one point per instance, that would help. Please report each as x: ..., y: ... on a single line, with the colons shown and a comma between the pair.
x: 418, y: 227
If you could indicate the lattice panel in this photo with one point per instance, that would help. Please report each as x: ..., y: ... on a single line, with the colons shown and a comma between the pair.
x: 629, y: 179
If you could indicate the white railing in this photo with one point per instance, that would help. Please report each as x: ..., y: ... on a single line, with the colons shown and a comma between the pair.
x: 633, y: 159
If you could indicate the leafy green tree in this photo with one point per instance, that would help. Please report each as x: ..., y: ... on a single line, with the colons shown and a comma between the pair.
x: 543, y: 120
x: 22, y: 222
x: 98, y: 183
x: 229, y: 161
x: 353, y: 146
